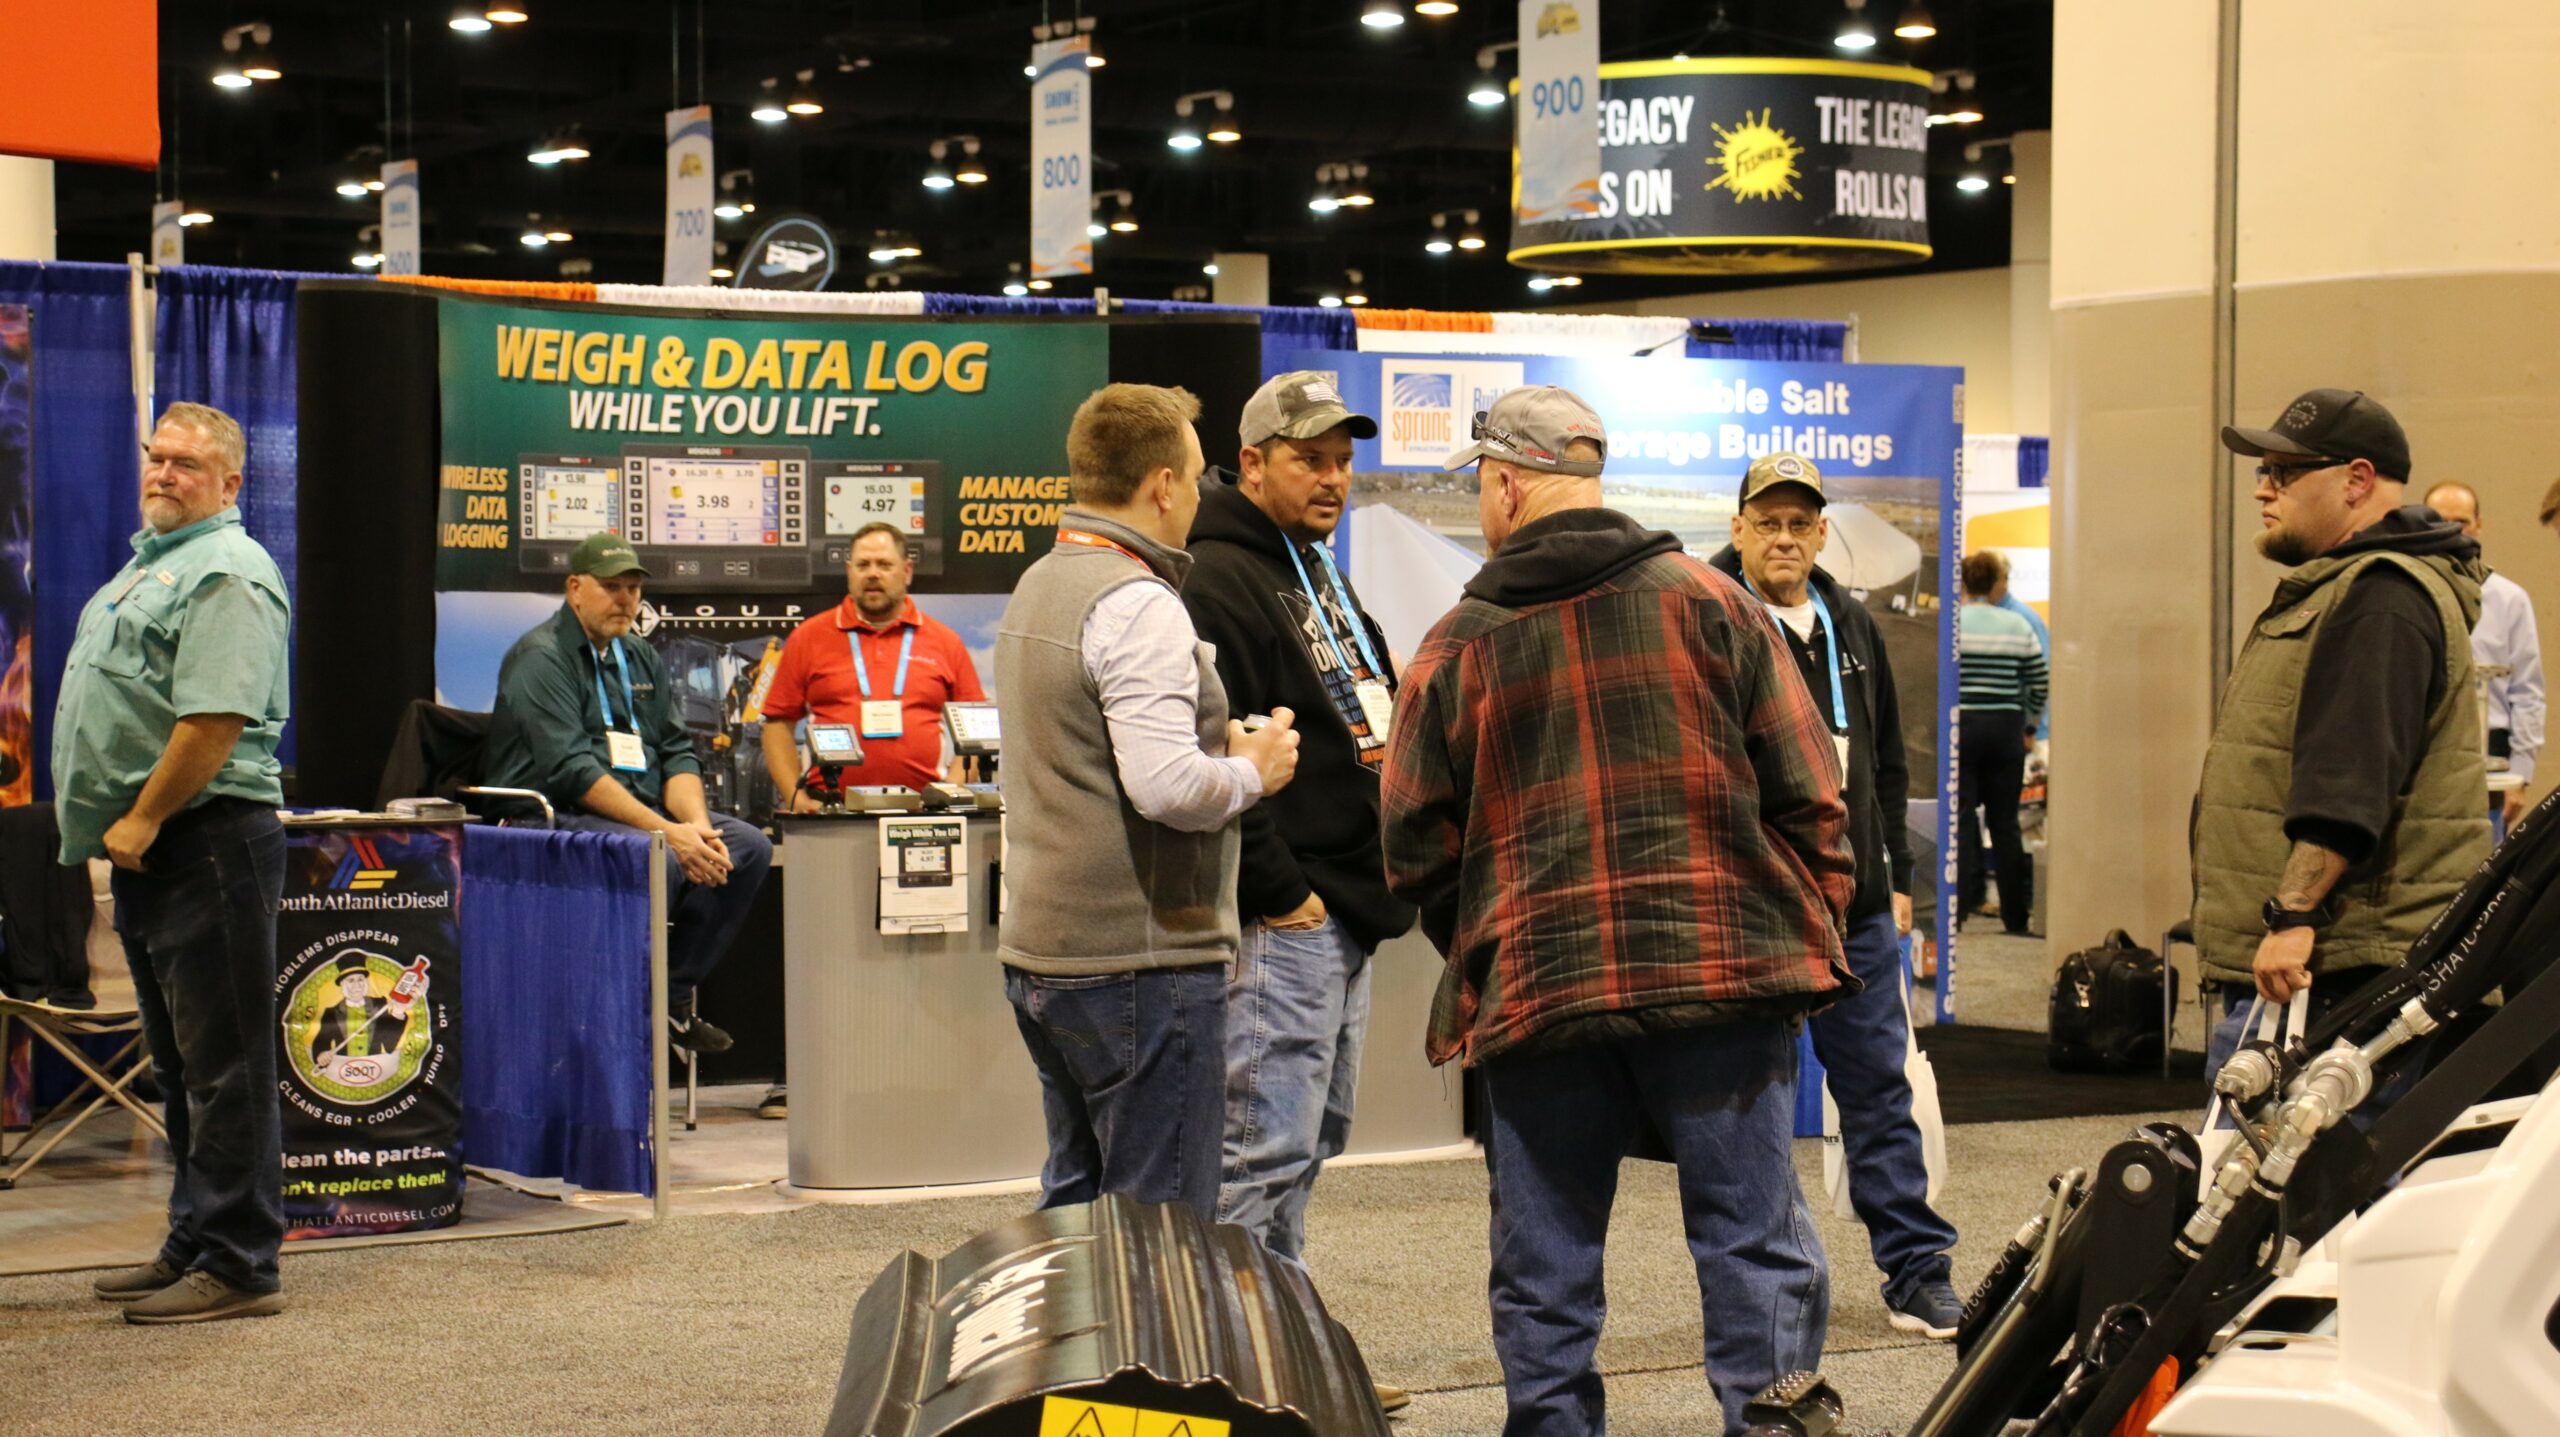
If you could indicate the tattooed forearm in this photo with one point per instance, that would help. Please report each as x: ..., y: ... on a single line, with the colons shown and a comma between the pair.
x: 2308, y: 876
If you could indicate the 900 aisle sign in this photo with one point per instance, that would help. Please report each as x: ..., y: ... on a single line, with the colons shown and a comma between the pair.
x: 1556, y: 97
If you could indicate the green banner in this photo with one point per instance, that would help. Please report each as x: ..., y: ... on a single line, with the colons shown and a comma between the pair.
x: 739, y: 454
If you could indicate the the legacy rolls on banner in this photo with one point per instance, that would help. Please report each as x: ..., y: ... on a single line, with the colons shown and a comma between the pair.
x: 1061, y: 141
x: 368, y: 985
x: 1746, y: 166
x: 1560, y: 162
x: 688, y: 259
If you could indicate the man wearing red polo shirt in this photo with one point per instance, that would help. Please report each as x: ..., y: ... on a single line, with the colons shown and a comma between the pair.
x: 872, y: 662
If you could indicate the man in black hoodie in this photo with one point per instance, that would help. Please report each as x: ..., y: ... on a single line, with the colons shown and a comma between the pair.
x: 1289, y: 633
x: 1862, y: 1041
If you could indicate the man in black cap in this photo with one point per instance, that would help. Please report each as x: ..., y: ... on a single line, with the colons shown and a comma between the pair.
x: 585, y: 715
x: 2341, y: 802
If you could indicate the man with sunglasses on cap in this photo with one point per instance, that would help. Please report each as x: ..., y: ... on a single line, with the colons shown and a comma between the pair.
x: 1618, y: 809
x: 1863, y: 1041
x: 2341, y: 802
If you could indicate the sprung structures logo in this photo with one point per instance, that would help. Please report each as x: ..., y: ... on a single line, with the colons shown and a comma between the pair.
x: 362, y: 869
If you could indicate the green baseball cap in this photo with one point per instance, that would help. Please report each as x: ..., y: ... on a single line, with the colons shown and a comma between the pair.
x: 1771, y: 470
x: 1300, y: 404
x: 605, y: 554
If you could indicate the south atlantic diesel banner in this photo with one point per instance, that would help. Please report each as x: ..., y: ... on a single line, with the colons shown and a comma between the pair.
x: 369, y: 987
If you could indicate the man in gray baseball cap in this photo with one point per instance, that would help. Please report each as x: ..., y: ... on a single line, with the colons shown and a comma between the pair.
x: 1526, y: 445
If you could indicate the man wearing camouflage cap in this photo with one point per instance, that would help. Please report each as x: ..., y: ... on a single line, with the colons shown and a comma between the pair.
x: 1290, y: 633
x: 1619, y: 812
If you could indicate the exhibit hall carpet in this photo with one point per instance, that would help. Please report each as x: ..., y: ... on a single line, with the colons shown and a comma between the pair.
x: 725, y: 1321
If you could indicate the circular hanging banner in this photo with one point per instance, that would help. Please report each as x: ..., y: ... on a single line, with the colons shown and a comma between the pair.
x: 1749, y: 166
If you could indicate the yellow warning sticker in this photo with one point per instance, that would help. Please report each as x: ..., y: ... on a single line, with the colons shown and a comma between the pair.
x: 1079, y: 1417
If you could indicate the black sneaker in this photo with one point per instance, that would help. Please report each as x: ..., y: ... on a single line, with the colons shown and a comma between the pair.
x: 1930, y: 1309
x: 776, y: 1104
x: 694, y: 1033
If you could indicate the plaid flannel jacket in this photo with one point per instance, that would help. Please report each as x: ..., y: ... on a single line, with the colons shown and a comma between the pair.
x: 1623, y: 799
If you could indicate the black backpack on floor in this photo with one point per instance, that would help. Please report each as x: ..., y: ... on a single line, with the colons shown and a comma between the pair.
x: 2104, y: 1015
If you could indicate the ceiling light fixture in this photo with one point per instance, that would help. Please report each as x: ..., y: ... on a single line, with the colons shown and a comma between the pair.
x: 1038, y: 285
x: 252, y: 62
x: 1471, y: 238
x: 1329, y: 301
x: 1355, y: 195
x: 1382, y: 14
x: 1439, y: 241
x: 936, y: 175
x: 469, y: 19
x: 1093, y: 52
x: 1436, y: 9
x: 1013, y: 285
x: 227, y: 76
x: 556, y: 149
x: 1222, y: 126
x: 1354, y: 294
x: 352, y: 188
x: 1915, y: 23
x: 737, y: 194
x: 1487, y: 90
x: 888, y: 247
x: 768, y: 106
x: 1124, y: 210
x: 1324, y: 201
x: 970, y: 172
x: 506, y: 14
x: 1973, y: 181
x: 1962, y: 108
x: 1855, y: 33
x: 1210, y: 269
x: 192, y: 218
x: 722, y: 271
x: 366, y: 259
x: 804, y: 96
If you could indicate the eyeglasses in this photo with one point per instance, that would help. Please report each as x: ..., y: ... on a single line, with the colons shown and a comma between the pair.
x: 1798, y: 528
x: 2281, y: 477
x: 1485, y: 428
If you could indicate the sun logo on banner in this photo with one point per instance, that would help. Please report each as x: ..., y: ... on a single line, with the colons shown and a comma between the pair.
x: 1758, y: 160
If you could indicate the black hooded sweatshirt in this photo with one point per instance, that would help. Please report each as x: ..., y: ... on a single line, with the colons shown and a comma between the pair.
x: 1320, y: 832
x: 2376, y: 671
x: 1879, y: 778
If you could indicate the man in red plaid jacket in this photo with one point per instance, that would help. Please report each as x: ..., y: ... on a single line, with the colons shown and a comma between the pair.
x: 1619, y: 811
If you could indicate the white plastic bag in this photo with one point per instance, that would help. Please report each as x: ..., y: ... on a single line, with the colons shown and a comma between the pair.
x: 1925, y: 1114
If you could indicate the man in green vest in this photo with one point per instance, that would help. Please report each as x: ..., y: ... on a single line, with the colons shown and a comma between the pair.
x: 2344, y: 793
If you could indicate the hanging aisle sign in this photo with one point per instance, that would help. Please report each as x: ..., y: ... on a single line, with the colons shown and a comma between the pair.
x: 1559, y: 150
x: 1743, y: 166
x: 1061, y: 145
x: 401, y: 218
x: 168, y: 237
x: 688, y: 196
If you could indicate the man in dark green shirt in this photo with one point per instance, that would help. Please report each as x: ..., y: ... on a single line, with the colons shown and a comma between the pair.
x: 584, y: 716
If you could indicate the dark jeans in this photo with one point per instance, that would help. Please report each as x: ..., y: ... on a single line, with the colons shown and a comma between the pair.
x: 1862, y: 1042
x: 702, y: 920
x: 199, y: 929
x: 1132, y: 1081
x: 1991, y: 766
x: 1556, y: 1125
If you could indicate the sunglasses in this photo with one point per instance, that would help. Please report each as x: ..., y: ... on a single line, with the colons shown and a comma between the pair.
x: 2281, y: 477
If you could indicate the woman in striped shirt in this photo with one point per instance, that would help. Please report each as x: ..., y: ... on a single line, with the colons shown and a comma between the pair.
x: 2001, y: 677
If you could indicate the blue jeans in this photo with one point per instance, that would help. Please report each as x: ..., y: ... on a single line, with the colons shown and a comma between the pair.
x: 199, y: 930
x: 1862, y: 1042
x: 1723, y: 1098
x: 702, y: 920
x: 1131, y: 1081
x: 1297, y: 1014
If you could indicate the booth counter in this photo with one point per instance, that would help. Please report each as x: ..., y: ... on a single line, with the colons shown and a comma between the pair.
x: 906, y: 1067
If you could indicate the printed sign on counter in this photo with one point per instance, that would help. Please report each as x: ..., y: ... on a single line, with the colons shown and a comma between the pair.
x: 924, y: 868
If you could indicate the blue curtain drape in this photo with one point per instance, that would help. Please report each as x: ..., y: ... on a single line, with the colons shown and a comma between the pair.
x: 555, y: 1005
x: 1285, y: 328
x: 2035, y: 456
x: 225, y: 338
x: 1817, y: 341
x: 85, y: 473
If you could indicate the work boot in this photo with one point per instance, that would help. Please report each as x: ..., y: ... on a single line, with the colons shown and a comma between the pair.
x: 693, y: 1032
x: 202, y: 1297
x: 126, y: 1284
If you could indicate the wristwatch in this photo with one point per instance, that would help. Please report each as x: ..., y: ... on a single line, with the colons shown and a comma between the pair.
x: 2279, y: 918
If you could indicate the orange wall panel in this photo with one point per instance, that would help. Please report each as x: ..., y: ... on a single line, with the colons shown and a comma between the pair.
x: 83, y: 81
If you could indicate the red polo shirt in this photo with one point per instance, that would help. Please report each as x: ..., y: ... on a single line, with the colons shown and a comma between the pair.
x: 815, y: 681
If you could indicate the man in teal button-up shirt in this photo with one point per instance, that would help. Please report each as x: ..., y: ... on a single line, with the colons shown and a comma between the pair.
x: 164, y: 760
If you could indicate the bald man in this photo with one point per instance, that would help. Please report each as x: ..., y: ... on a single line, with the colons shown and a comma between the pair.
x: 2504, y: 637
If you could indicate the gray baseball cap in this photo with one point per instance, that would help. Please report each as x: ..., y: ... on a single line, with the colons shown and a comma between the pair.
x: 1300, y: 404
x: 1531, y: 426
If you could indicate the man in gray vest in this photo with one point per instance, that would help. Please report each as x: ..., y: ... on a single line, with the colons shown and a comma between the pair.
x: 2342, y: 798
x: 1124, y: 781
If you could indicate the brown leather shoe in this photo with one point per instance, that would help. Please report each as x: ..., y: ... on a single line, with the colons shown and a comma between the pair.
x: 202, y: 1297
x: 131, y: 1284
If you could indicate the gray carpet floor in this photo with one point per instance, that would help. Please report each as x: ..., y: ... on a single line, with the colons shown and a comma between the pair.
x: 737, y: 1324
x: 720, y: 1324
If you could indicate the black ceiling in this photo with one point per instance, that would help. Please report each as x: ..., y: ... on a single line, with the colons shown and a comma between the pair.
x: 1312, y: 86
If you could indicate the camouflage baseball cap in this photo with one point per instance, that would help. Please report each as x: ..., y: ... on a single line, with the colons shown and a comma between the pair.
x: 605, y: 554
x: 1771, y: 470
x: 1300, y: 404
x: 1531, y: 426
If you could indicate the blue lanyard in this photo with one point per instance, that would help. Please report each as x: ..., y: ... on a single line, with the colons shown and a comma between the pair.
x: 629, y: 704
x: 1359, y: 630
x: 862, y: 674
x: 1830, y: 644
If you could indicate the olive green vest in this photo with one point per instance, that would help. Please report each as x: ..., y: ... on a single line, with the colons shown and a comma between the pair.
x: 2439, y: 830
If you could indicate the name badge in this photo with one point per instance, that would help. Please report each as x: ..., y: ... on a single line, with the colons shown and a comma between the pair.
x: 625, y: 751
x: 883, y: 718
x: 1376, y: 705
x: 1840, y: 745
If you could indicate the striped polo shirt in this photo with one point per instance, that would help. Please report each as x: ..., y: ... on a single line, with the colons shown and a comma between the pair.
x: 1999, y: 664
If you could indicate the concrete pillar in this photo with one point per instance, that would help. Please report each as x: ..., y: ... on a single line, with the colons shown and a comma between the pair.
x: 1241, y: 279
x: 2031, y: 281
x: 2370, y: 251
x: 26, y: 208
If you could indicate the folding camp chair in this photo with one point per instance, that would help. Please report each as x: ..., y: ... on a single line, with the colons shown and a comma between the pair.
x: 60, y: 1027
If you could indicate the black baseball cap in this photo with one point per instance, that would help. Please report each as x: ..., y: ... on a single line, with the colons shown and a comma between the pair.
x: 2339, y: 424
